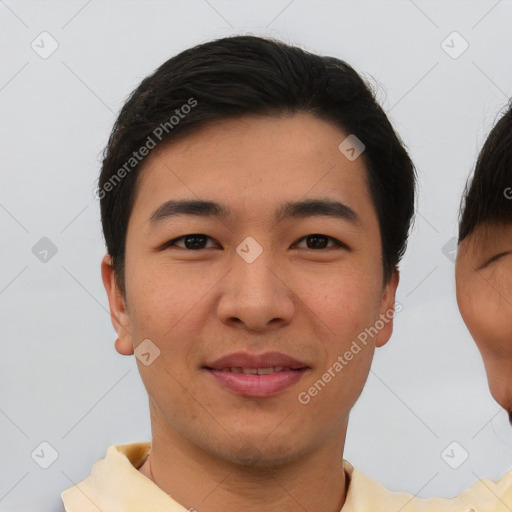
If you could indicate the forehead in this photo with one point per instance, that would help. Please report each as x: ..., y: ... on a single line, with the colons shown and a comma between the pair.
x: 253, y: 162
x: 488, y: 234
x: 484, y: 242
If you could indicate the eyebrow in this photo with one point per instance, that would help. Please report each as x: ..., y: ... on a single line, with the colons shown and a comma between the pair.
x: 492, y: 260
x: 289, y: 210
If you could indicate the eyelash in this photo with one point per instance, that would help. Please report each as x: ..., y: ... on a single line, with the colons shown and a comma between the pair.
x: 496, y: 257
x: 337, y: 243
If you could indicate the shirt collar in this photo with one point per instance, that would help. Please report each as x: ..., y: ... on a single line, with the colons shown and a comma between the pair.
x: 116, y: 485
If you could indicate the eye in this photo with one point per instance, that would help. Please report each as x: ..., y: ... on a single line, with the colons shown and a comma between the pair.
x: 194, y: 242
x: 198, y: 241
x: 318, y: 241
x: 496, y: 257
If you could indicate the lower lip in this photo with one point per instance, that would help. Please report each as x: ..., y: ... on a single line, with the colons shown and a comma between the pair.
x: 258, y: 385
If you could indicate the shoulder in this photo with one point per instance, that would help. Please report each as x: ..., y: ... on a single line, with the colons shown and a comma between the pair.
x: 108, y: 476
x: 365, y: 494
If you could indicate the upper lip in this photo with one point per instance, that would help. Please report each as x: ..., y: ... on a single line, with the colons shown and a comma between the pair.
x: 246, y: 360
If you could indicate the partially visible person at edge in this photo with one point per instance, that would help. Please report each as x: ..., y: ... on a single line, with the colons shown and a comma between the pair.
x: 255, y: 203
x: 483, y: 267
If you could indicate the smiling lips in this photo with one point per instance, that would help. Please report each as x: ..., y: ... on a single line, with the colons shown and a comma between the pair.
x: 257, y: 376
x: 255, y: 371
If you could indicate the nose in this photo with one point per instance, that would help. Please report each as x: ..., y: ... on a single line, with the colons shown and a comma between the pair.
x: 254, y: 297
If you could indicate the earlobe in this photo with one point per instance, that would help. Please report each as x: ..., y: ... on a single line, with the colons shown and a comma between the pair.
x: 387, y: 310
x: 118, y: 310
x: 124, y: 346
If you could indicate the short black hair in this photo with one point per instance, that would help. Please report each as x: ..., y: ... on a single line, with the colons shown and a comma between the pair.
x: 243, y: 75
x: 487, y: 196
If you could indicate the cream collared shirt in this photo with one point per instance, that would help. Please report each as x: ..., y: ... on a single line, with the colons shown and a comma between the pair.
x: 116, y: 485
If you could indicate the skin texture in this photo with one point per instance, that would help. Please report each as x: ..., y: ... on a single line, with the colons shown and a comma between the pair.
x: 484, y: 296
x: 213, y: 449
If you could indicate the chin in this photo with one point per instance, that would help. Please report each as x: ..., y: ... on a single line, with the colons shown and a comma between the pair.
x: 257, y: 456
x: 504, y: 398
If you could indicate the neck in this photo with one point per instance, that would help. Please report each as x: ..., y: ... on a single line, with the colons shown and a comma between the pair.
x: 201, y: 481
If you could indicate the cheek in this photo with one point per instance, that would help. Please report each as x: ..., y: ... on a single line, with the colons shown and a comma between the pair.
x: 343, y: 308
x: 489, y: 320
x: 162, y: 295
x: 346, y: 304
x: 168, y: 308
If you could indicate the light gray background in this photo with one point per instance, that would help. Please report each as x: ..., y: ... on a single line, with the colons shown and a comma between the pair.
x: 61, y: 380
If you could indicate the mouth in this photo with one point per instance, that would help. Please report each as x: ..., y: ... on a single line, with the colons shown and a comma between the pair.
x: 257, y: 371
x: 256, y: 376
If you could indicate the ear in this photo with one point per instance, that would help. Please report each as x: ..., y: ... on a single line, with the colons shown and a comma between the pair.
x: 118, y: 311
x: 387, y: 310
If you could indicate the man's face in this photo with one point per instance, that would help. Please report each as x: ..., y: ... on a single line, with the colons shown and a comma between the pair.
x: 253, y: 283
x: 484, y: 295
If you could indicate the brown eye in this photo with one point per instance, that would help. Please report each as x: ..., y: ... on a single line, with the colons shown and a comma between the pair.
x: 318, y: 241
x: 192, y: 242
